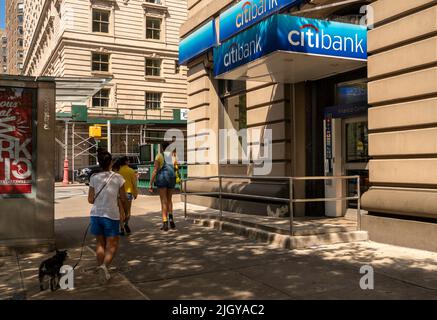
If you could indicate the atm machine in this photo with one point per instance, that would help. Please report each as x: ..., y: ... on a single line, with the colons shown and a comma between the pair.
x: 334, y: 166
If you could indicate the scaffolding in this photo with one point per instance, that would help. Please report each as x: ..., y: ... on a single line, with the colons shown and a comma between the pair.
x: 120, y: 140
x: 124, y: 130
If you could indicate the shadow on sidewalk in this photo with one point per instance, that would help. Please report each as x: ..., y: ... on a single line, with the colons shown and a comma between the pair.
x: 194, y: 262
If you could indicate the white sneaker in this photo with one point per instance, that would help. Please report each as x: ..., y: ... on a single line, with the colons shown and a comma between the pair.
x: 103, y: 274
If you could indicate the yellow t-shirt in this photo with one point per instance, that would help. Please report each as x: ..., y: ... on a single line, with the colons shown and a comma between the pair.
x: 130, y: 177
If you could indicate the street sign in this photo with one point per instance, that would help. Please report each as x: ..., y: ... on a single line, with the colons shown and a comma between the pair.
x: 184, y: 114
x: 95, y: 131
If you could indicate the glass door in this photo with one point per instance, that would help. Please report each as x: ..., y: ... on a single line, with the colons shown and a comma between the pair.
x: 356, y: 155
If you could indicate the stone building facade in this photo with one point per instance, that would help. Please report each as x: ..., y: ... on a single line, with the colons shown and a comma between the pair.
x: 132, y: 46
x: 374, y: 118
x: 15, y: 33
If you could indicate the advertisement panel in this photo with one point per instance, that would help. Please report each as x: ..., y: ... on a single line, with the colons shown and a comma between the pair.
x: 16, y: 141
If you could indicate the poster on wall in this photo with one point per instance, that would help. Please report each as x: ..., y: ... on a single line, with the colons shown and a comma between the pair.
x: 16, y: 144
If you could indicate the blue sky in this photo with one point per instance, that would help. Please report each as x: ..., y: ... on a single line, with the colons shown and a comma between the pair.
x: 2, y: 14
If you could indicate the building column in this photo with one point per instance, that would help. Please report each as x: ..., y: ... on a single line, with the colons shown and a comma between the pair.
x: 402, y: 121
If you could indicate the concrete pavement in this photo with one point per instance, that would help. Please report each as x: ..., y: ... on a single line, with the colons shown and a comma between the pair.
x: 195, y: 262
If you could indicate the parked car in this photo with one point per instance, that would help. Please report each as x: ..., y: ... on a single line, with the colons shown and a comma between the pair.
x: 83, y: 175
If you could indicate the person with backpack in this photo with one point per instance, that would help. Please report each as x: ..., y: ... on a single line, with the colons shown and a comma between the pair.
x: 165, y: 177
x: 105, y: 190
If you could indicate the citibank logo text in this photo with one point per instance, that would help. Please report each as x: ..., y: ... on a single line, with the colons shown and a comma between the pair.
x: 238, y: 52
x: 315, y: 38
x: 252, y: 10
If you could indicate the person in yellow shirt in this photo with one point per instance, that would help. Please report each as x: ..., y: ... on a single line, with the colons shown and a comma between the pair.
x: 131, y: 188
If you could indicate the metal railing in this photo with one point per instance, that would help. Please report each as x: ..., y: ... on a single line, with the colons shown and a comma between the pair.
x: 290, y: 201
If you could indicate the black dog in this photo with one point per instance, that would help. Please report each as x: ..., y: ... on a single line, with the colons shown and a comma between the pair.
x: 52, y: 268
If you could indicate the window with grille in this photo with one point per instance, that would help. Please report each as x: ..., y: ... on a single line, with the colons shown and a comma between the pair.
x: 101, y: 99
x: 100, y: 62
x: 153, y: 28
x: 153, y: 67
x: 101, y: 21
x: 153, y: 100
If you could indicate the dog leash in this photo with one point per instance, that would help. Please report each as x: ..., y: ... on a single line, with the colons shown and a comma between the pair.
x: 83, y: 246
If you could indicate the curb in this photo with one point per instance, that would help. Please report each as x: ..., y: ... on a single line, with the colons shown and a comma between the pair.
x: 70, y: 185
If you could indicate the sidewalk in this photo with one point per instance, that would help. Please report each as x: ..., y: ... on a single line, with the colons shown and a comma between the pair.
x: 20, y: 280
x: 61, y: 185
x: 194, y: 262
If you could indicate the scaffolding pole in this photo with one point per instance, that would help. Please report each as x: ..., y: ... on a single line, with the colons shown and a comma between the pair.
x: 66, y: 169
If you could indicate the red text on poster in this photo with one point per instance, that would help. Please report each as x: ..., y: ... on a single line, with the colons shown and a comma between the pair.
x: 15, y: 141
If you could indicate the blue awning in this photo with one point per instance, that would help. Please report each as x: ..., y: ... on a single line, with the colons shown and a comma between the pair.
x: 290, y: 48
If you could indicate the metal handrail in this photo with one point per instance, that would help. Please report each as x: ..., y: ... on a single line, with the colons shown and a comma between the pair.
x: 291, y: 200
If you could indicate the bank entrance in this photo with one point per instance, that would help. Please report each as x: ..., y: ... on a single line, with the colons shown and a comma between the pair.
x: 346, y: 142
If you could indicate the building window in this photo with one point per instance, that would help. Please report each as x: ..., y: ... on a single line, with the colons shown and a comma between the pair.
x: 101, y: 99
x: 20, y: 30
x: 177, y: 67
x: 20, y: 42
x: 4, y: 40
x: 153, y: 100
x: 20, y: 54
x: 100, y: 62
x: 153, y: 28
x: 20, y: 7
x: 154, y: 1
x: 101, y: 21
x: 153, y: 67
x: 20, y: 66
x: 20, y: 19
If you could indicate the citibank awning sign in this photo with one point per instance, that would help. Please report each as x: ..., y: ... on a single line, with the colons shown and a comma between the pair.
x: 293, y: 34
x: 248, y: 12
x: 198, y: 42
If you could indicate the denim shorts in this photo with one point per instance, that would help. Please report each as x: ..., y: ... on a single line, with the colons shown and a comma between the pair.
x: 165, y: 180
x: 106, y: 227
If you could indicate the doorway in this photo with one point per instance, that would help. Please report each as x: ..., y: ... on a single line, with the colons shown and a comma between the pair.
x: 356, y: 155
